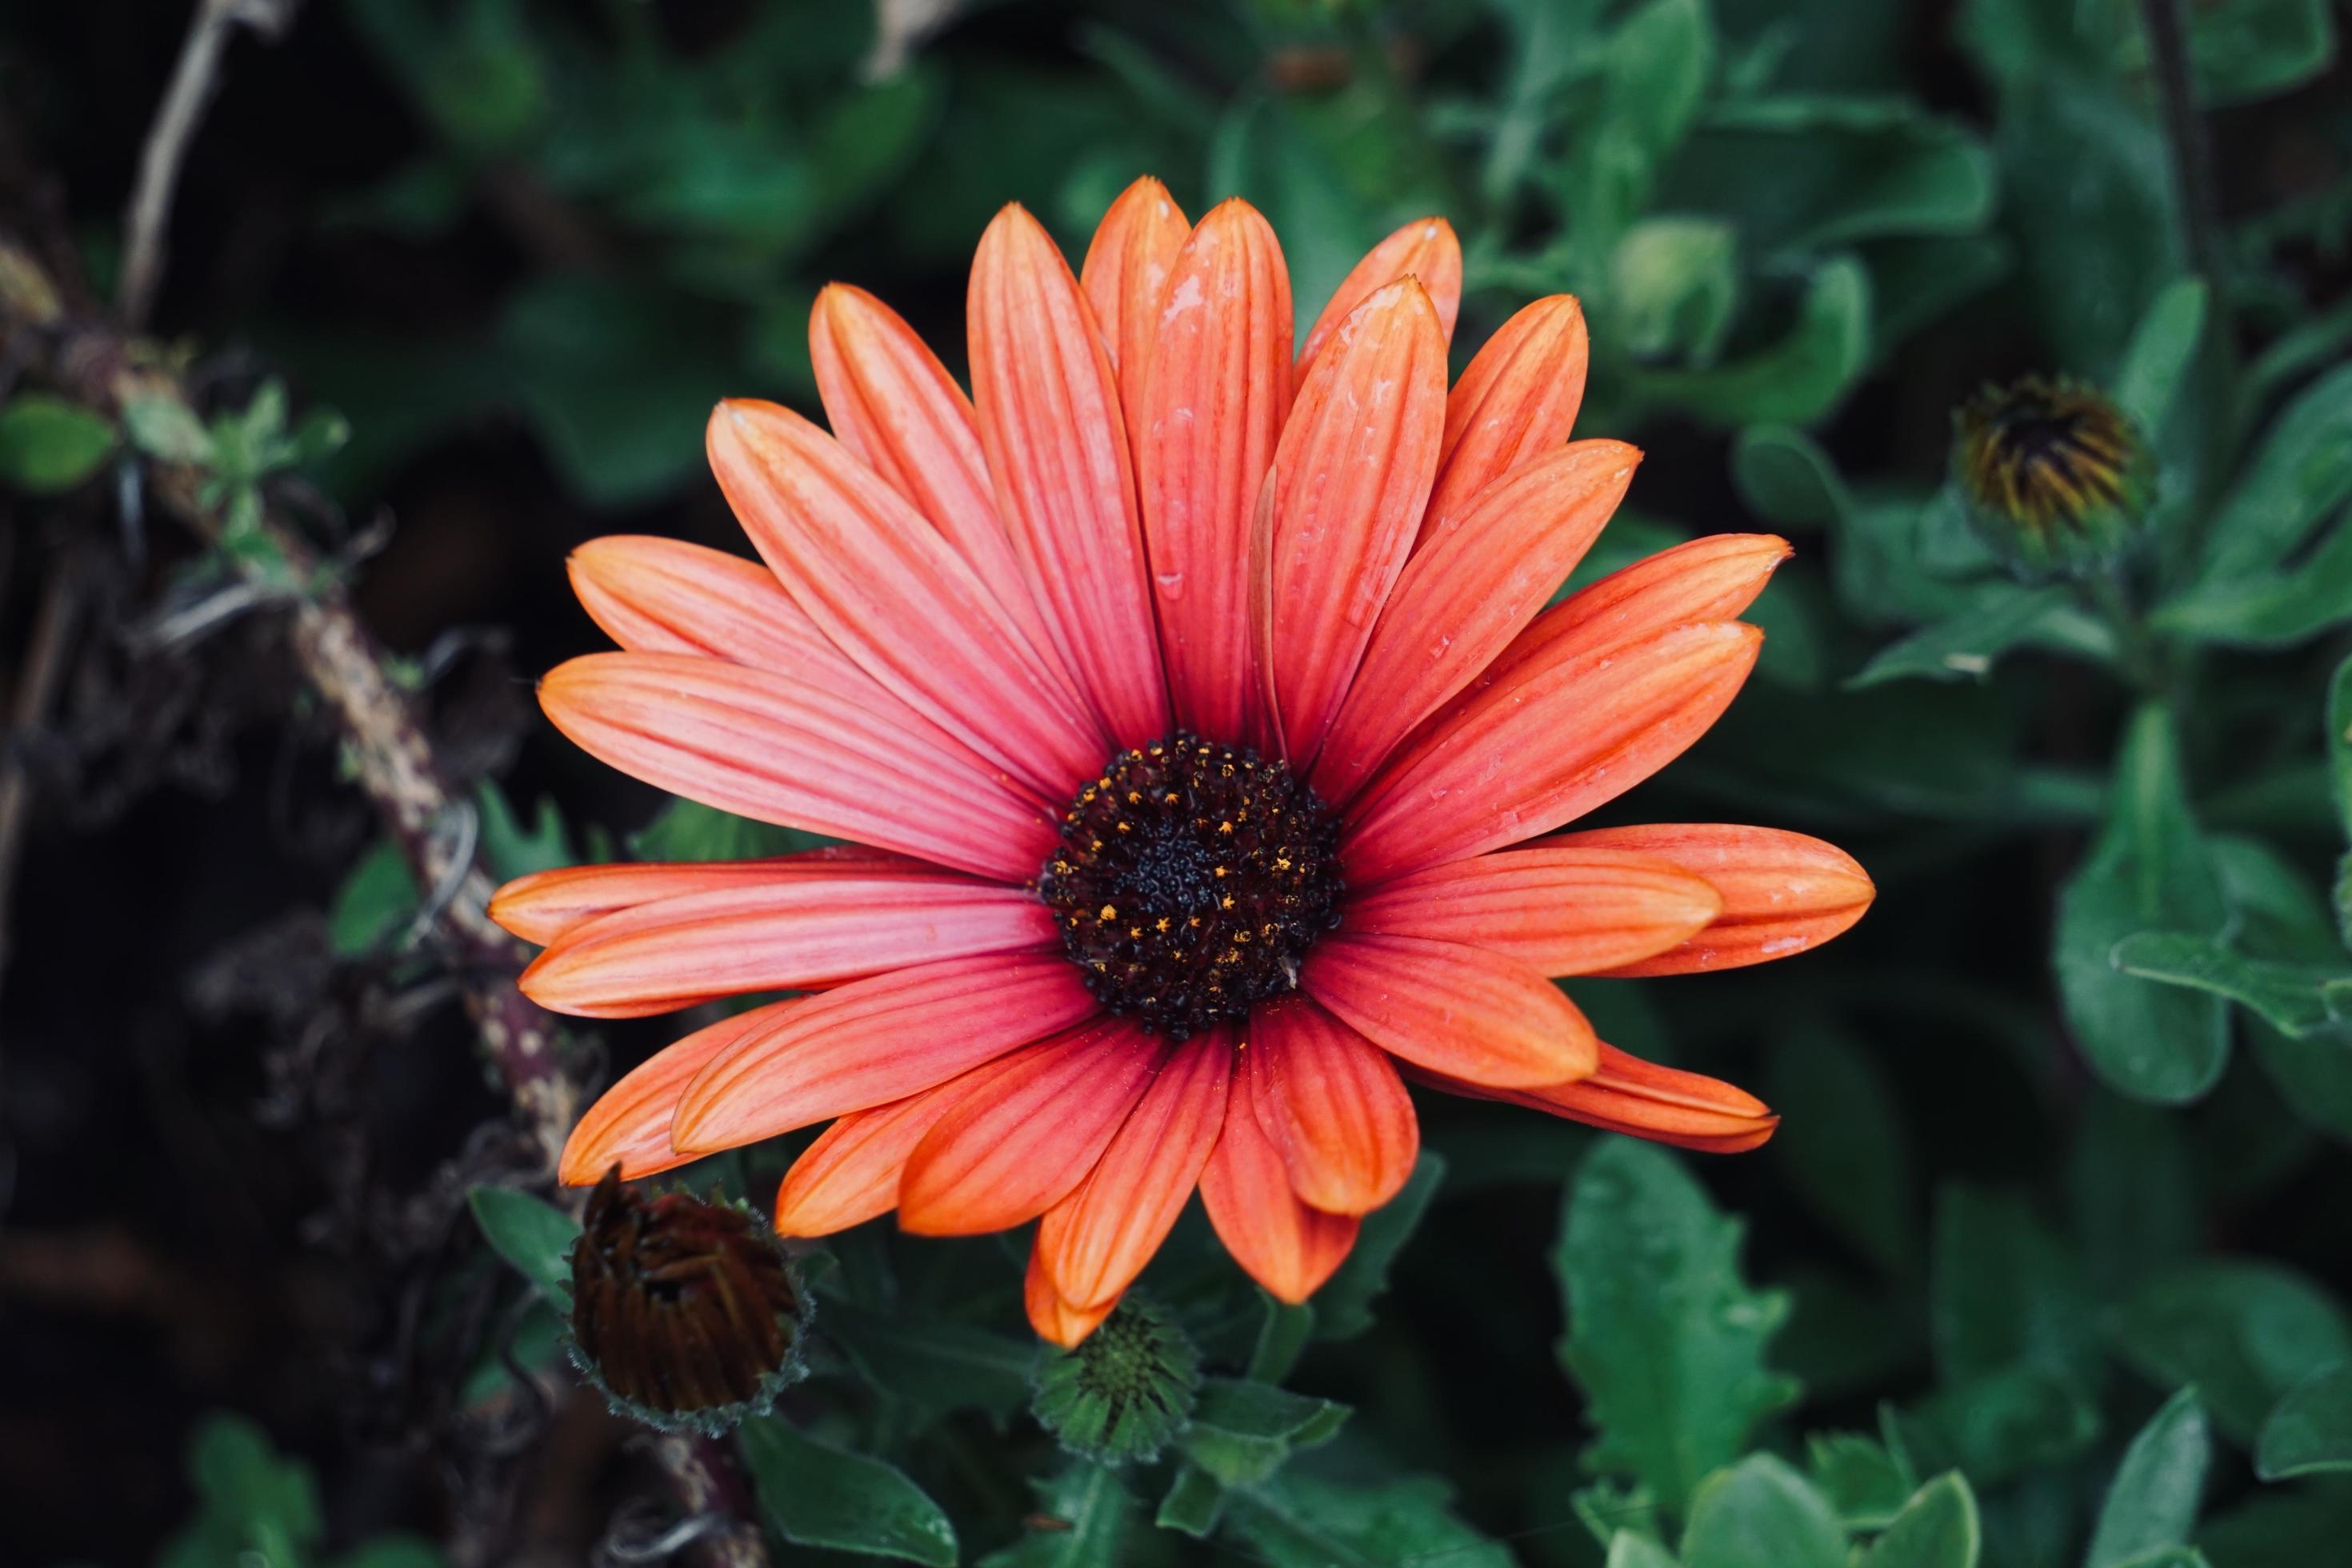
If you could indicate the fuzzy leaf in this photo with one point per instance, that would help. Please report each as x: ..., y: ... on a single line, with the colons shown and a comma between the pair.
x: 1295, y: 1522
x: 2242, y: 1332
x: 1091, y: 1512
x: 1936, y: 1529
x: 1965, y: 646
x: 2293, y: 998
x: 1241, y: 1432
x: 2159, y: 353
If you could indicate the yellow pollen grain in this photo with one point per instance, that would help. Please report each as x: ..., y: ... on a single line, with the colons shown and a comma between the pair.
x: 1110, y: 912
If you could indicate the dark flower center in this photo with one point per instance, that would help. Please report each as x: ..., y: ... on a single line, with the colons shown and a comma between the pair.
x: 1191, y: 880
x: 2046, y: 452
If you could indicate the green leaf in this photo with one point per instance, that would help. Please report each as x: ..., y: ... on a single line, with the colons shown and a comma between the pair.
x: 2152, y: 1502
x: 534, y: 1236
x: 2245, y: 49
x: 1936, y: 1529
x: 377, y: 897
x: 937, y: 1364
x: 2309, y: 1431
x: 2301, y: 472
x: 1295, y: 1522
x: 1194, y: 1503
x: 1786, y: 478
x: 1664, y: 1337
x: 2005, y: 1293
x: 2269, y: 609
x: 688, y: 830
x: 1241, y: 1432
x: 511, y: 849
x: 167, y: 430
x: 2004, y: 1423
x: 1965, y: 646
x: 1867, y: 1482
x: 2149, y: 870
x: 1762, y: 1514
x: 1673, y: 283
x: 1627, y: 1550
x: 255, y: 1509
x: 2295, y: 999
x: 2338, y: 721
x: 2159, y: 353
x: 1343, y: 1308
x: 48, y: 446
x: 1793, y: 381
x: 2242, y: 1332
x: 816, y: 1495
x: 1091, y: 1512
x: 1842, y: 1141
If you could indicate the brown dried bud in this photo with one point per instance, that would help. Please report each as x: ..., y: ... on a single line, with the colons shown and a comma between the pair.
x: 685, y: 1312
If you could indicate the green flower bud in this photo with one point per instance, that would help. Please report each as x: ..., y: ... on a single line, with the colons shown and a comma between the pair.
x: 2053, y: 475
x: 1125, y: 1392
x: 688, y: 1313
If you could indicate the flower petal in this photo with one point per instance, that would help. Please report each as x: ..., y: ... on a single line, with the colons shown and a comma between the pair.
x: 629, y: 1123
x: 1469, y: 588
x: 1219, y: 390
x: 1557, y: 909
x: 1425, y: 249
x: 787, y: 933
x: 1515, y: 402
x: 1280, y: 1241
x: 1456, y: 1009
x: 1626, y: 1094
x: 781, y: 750
x: 873, y: 1041
x: 1125, y: 277
x: 894, y: 595
x: 544, y: 905
x: 665, y: 595
x: 1709, y: 579
x: 1051, y: 425
x: 1095, y: 1242
x: 1782, y: 892
x: 1349, y: 478
x: 1056, y: 1320
x: 1332, y: 1104
x: 1004, y: 1157
x: 851, y: 1173
x: 894, y: 406
x: 1553, y: 739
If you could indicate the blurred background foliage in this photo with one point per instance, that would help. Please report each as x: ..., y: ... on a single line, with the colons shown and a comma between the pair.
x: 2048, y: 1264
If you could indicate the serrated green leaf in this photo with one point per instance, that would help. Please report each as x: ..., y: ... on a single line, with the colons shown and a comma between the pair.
x: 816, y: 1495
x: 2242, y: 1332
x: 48, y: 446
x: 1760, y: 1513
x: 2309, y: 1431
x: 1664, y: 1337
x: 2147, y: 871
x: 1343, y: 1308
x: 513, y: 851
x: 1965, y: 646
x: 1090, y: 1512
x: 1241, y: 1432
x: 2159, y: 353
x: 2152, y: 1502
x: 1938, y: 1528
x: 1295, y: 1522
x: 529, y: 1233
x: 2295, y: 999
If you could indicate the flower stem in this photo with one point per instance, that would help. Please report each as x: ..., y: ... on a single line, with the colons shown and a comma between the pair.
x: 2186, y: 139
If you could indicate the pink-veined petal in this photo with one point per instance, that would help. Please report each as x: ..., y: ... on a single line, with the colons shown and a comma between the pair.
x: 1332, y: 1102
x: 1278, y: 1240
x: 1783, y: 893
x: 1426, y: 250
x: 1517, y: 401
x: 1452, y: 1008
x: 629, y: 1123
x: 1556, y: 908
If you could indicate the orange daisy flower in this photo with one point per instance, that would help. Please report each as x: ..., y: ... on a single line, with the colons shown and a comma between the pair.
x: 1203, y: 737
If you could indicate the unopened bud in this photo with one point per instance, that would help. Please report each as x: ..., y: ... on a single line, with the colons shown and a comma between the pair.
x: 1125, y: 1392
x: 2053, y: 475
